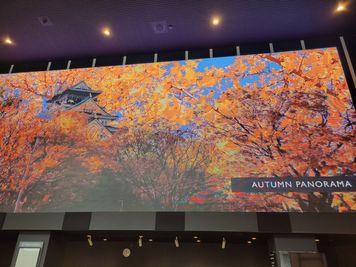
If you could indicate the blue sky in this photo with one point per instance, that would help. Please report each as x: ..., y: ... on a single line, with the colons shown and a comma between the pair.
x: 218, y: 62
x: 226, y: 83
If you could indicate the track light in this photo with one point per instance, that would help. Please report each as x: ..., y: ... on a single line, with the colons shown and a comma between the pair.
x: 176, y: 242
x: 90, y: 241
x: 140, y: 240
x: 223, y: 243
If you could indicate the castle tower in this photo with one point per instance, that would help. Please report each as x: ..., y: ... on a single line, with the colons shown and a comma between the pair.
x: 82, y: 98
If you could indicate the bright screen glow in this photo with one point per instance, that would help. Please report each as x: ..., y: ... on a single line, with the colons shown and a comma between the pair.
x: 176, y: 135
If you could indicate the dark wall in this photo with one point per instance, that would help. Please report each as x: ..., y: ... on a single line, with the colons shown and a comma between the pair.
x: 351, y: 46
x: 339, y: 253
x: 7, y: 248
x: 109, y: 254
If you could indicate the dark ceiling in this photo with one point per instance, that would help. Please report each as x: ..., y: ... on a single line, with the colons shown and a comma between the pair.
x: 75, y: 30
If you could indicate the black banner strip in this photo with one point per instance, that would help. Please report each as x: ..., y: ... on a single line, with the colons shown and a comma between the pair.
x: 294, y: 184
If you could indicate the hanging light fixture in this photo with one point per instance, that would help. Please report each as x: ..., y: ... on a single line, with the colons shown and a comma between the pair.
x: 140, y: 240
x: 223, y: 243
x: 90, y: 241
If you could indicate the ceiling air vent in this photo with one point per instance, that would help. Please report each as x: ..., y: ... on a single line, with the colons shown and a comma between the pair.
x: 45, y: 21
x: 160, y: 26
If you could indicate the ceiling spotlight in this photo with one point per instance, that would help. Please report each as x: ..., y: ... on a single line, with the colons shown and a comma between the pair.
x: 253, y: 238
x: 341, y: 6
x: 198, y: 240
x: 223, y: 243
x: 106, y: 32
x: 105, y: 239
x: 195, y: 237
x: 317, y: 240
x: 249, y: 242
x: 8, y: 41
x: 140, y: 240
x: 176, y: 242
x: 150, y: 240
x: 215, y: 21
x: 90, y: 241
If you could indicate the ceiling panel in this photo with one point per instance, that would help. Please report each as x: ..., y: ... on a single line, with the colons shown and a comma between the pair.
x: 75, y: 30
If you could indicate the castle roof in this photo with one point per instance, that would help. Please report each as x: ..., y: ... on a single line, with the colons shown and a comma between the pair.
x: 104, y: 129
x: 111, y: 128
x: 90, y: 104
x: 80, y: 88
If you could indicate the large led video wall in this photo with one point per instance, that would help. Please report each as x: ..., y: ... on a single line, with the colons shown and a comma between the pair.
x: 267, y: 132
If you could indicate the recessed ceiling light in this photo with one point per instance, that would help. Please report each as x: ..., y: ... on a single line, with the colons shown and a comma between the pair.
x: 249, y: 242
x: 341, y: 6
x: 126, y: 252
x: 8, y: 41
x: 215, y: 20
x: 195, y: 237
x: 253, y: 238
x: 105, y: 239
x: 317, y: 240
x: 150, y: 240
x: 106, y: 32
x: 198, y: 240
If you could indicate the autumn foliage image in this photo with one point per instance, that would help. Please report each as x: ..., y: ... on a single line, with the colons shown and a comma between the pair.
x: 170, y: 136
